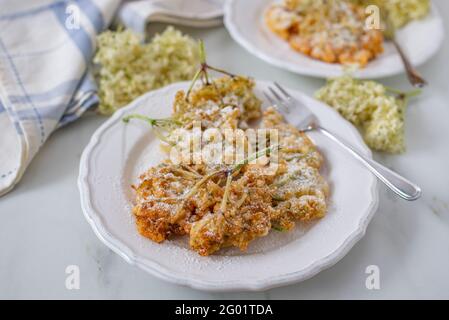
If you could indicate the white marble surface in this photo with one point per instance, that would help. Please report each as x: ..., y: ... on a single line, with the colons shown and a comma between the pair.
x: 42, y: 229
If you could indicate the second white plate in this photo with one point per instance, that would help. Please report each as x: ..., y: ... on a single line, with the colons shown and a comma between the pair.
x: 244, y: 20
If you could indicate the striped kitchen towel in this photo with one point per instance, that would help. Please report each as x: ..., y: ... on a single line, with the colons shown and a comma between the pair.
x: 45, y: 49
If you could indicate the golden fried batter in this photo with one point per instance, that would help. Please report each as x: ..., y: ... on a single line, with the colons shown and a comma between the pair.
x: 299, y: 191
x: 330, y: 31
x: 225, y: 103
x: 219, y: 207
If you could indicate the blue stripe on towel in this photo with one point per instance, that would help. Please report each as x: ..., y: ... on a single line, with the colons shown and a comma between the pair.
x: 87, y: 6
x: 52, y: 112
x: 79, y: 36
x: 18, y: 128
x: 22, y: 87
x: 70, y: 117
x: 16, y: 124
x: 65, y: 88
x: 94, y: 14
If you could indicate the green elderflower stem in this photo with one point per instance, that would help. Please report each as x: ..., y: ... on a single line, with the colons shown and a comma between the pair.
x: 202, y: 72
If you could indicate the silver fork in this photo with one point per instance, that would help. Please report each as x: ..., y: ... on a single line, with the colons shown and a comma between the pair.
x: 300, y: 116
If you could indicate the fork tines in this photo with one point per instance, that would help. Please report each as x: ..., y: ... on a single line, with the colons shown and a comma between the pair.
x: 279, y: 97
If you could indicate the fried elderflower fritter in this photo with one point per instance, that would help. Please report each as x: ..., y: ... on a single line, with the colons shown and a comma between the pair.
x: 331, y: 31
x: 299, y: 191
x: 255, y: 201
x: 227, y: 102
x: 228, y: 205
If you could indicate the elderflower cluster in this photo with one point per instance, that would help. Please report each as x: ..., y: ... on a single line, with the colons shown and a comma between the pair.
x: 367, y: 105
x: 129, y: 68
x: 401, y: 12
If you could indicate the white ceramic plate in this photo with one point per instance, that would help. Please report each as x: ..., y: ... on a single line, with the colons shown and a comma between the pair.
x: 244, y: 20
x: 181, y: 9
x: 118, y: 153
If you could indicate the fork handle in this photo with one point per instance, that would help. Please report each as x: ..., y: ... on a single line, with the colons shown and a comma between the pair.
x: 398, y: 184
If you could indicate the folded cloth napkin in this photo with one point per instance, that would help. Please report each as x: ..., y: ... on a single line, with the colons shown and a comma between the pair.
x: 45, y: 49
x: 193, y: 13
